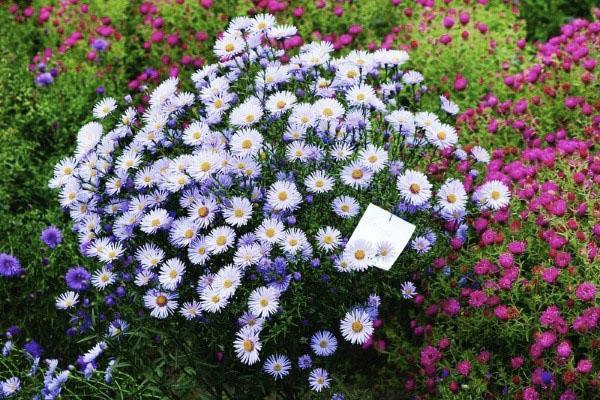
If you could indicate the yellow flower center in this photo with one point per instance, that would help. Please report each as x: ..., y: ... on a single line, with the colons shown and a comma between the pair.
x: 248, y: 345
x: 202, y: 212
x: 495, y: 195
x: 415, y: 188
x: 282, y: 196
x: 359, y: 254
x: 229, y: 47
x: 357, y: 174
x: 357, y: 326
x: 246, y: 144
x: 161, y: 300
x: 221, y: 240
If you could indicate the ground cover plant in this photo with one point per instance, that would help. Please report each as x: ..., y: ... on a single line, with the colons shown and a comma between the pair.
x: 503, y: 304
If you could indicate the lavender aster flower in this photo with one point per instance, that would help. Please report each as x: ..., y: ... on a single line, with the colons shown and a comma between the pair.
x: 78, y: 278
x: 52, y: 236
x: 10, y: 266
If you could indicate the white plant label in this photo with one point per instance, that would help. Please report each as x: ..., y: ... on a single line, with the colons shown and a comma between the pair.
x: 376, y: 226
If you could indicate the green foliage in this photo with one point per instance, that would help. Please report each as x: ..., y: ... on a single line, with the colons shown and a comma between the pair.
x: 544, y: 18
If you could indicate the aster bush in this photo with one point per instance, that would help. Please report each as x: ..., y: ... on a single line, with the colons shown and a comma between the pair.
x: 235, y: 201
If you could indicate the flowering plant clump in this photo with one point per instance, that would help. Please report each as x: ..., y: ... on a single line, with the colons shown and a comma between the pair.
x: 528, y: 290
x: 236, y: 200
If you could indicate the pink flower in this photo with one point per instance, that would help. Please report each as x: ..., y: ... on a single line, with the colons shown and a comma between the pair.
x: 550, y: 274
x: 460, y: 83
x: 530, y: 394
x: 584, y: 366
x: 563, y: 349
x: 463, y: 367
x: 586, y: 291
x: 477, y: 298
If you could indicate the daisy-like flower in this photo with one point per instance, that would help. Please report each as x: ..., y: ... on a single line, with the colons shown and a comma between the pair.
x: 246, y: 142
x: 341, y: 151
x: 448, y: 106
x: 360, y: 95
x: 203, y: 211
x: 293, y: 240
x: 111, y: 252
x: 92, y: 354
x: 227, y: 281
x: 67, y: 300
x: 104, y: 107
x: 239, y: 213
x: 280, y: 102
x: 385, y: 251
x: 220, y: 239
x: 323, y: 343
x: 149, y: 255
x: 246, y: 114
x: 247, y: 345
x: 303, y: 114
x: 190, y: 310
x: 493, y: 195
x: 156, y: 219
x: 277, y: 366
x: 262, y: 23
x: 196, y: 133
x: 247, y: 255
x: 130, y: 159
x: 10, y: 386
x: 408, y: 289
x: 87, y: 138
x: 263, y: 301
x: 328, y: 238
x: 356, y: 326
x: 283, y: 195
x: 228, y: 46
x: 412, y: 78
x: 328, y: 109
x: 452, y: 196
x: 441, y: 135
x: 270, y: 230
x: 394, y: 57
x: 198, y: 251
x: 103, y: 278
x: 117, y: 328
x: 401, y: 120
x: 356, y: 175
x: 212, y: 301
x: 171, y: 273
x: 359, y: 254
x: 319, y: 379
x: 143, y: 278
x: 480, y: 154
x: 319, y: 182
x: 421, y: 244
x: 345, y: 206
x: 183, y: 231
x: 282, y: 31
x: 373, y: 157
x: 414, y: 187
x: 160, y: 302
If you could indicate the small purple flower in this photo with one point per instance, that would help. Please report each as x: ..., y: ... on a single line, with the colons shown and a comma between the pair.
x: 33, y: 348
x: 78, y: 278
x: 99, y: 44
x: 52, y: 236
x: 10, y: 266
x: 44, y: 79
